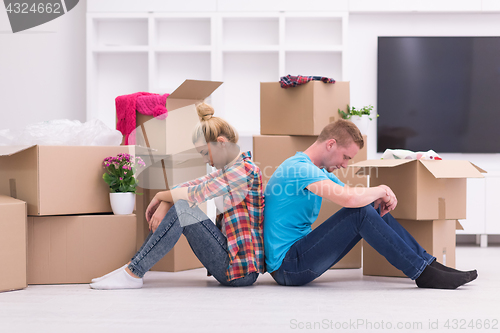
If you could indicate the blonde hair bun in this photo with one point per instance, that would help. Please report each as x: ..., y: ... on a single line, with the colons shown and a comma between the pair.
x: 205, y: 111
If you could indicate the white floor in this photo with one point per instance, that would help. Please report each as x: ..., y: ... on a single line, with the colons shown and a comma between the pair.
x: 340, y: 300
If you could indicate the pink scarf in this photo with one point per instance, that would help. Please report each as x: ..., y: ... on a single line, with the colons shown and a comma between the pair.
x: 145, y: 103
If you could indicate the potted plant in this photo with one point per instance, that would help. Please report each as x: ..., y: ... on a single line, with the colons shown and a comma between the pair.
x: 122, y: 183
x: 359, y: 117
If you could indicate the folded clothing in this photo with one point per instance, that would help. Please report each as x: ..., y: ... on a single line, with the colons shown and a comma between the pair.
x: 293, y: 81
x: 145, y: 103
x: 401, y: 154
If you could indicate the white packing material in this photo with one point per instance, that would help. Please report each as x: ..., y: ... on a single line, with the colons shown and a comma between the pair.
x: 390, y: 154
x: 62, y: 132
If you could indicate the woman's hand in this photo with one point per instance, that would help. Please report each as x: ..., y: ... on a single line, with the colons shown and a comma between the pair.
x: 153, y: 205
x: 159, y: 215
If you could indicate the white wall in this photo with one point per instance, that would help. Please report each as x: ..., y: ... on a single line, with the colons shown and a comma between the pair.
x: 362, y: 50
x: 42, y: 70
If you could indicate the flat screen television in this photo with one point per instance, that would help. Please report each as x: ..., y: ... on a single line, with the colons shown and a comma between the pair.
x: 440, y: 93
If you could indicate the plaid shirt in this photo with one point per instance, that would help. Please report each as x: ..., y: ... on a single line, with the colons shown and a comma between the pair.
x: 293, y: 81
x: 241, y: 187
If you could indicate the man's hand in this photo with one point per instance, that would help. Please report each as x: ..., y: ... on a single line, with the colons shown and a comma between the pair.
x: 159, y: 215
x: 387, y: 202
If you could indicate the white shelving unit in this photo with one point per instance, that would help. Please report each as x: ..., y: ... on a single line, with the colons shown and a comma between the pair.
x: 155, y: 52
x: 482, y: 216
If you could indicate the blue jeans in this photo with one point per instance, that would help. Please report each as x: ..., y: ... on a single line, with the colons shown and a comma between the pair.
x: 312, y: 255
x: 205, y: 239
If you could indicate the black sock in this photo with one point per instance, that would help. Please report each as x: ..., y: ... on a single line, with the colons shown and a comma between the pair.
x: 441, y: 267
x: 434, y: 278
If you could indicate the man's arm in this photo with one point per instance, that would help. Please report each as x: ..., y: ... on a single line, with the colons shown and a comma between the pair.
x: 353, y: 197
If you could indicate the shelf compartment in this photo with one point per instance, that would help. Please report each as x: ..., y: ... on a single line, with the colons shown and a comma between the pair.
x: 116, y: 75
x: 313, y: 31
x: 121, y: 49
x: 183, y: 31
x: 175, y: 67
x: 242, y: 74
x: 314, y: 64
x: 250, y: 31
x: 113, y: 32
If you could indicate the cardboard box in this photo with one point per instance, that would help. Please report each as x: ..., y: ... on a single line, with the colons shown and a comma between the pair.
x: 78, y: 248
x: 13, y: 243
x: 173, y: 134
x: 437, y: 237
x: 181, y: 257
x: 57, y: 180
x: 269, y: 151
x: 165, y: 171
x: 301, y: 110
x: 426, y: 190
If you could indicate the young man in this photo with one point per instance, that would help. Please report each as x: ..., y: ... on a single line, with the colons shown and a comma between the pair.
x: 296, y: 255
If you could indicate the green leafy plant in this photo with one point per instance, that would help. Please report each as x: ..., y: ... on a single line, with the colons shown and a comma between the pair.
x: 352, y: 111
x: 120, y: 172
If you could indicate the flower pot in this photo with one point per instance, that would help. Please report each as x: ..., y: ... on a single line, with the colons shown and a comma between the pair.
x: 122, y: 203
x: 362, y: 122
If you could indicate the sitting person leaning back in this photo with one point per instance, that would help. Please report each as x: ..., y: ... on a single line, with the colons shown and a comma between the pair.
x: 296, y: 255
x: 232, y: 251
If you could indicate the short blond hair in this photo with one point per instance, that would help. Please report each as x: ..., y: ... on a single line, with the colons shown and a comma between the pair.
x: 344, y: 132
x: 210, y: 128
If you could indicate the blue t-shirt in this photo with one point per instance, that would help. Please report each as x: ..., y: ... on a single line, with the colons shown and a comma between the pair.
x: 290, y: 208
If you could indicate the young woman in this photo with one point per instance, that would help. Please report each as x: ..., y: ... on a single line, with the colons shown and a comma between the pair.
x: 232, y: 250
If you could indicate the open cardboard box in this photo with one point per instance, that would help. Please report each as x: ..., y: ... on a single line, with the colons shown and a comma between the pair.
x: 426, y: 190
x: 437, y: 237
x: 166, y: 171
x: 172, y: 134
x: 57, y: 180
x: 13, y: 243
x: 301, y: 110
x: 78, y: 248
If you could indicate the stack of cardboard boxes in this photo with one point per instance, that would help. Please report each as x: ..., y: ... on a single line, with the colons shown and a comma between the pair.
x: 166, y: 147
x: 58, y: 226
x: 291, y: 120
x: 431, y: 198
x: 56, y: 222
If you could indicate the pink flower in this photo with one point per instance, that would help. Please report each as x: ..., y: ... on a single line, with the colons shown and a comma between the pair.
x: 121, y: 178
x: 125, y: 173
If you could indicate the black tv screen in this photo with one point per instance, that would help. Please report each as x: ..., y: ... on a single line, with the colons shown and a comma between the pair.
x: 440, y: 93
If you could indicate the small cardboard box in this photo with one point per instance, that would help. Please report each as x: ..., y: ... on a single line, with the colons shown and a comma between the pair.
x: 301, y: 110
x: 181, y: 257
x: 269, y: 151
x: 13, y: 236
x: 437, y: 237
x: 173, y: 134
x: 57, y: 180
x: 78, y: 248
x: 426, y: 190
